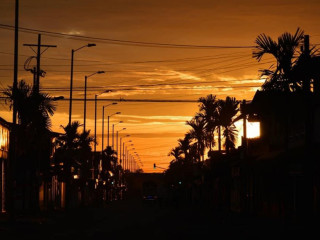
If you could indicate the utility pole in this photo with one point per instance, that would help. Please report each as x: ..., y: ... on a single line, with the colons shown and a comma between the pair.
x: 36, y: 86
x: 306, y: 86
x: 39, y: 72
x: 123, y: 157
x: 306, y: 52
x: 108, y: 130
x: 243, y: 110
x: 113, y: 136
x: 16, y: 52
x: 219, y: 138
x: 9, y: 179
x: 119, y: 154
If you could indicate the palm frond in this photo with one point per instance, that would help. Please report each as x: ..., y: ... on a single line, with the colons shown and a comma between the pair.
x: 265, y: 45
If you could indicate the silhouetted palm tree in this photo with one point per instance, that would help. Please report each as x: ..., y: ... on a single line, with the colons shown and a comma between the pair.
x: 208, y: 109
x: 285, y: 52
x: 110, y: 170
x: 109, y: 159
x: 69, y: 140
x: 198, y: 133
x: 176, y: 153
x: 74, y: 151
x: 33, y: 133
x: 85, y: 143
x: 34, y: 109
x: 228, y: 109
x: 184, y: 145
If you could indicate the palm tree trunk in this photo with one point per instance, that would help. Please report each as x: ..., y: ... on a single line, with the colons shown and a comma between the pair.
x: 227, y: 140
x: 219, y: 138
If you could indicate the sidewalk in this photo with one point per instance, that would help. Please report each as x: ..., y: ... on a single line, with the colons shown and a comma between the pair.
x: 50, y: 225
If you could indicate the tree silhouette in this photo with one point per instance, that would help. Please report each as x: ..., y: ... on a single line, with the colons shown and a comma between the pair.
x: 286, y: 51
x: 176, y: 153
x: 185, y: 147
x: 74, y: 154
x: 34, y: 109
x: 208, y: 109
x: 33, y: 141
x: 228, y: 109
x: 198, y: 133
x: 109, y: 159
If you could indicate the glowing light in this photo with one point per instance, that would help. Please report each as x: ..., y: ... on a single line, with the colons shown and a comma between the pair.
x: 4, y: 142
x: 253, y: 129
x: 4, y: 138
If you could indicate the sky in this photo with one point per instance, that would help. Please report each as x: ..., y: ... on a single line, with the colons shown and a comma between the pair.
x: 165, y: 70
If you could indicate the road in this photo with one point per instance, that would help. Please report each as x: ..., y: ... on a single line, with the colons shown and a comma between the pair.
x: 134, y: 219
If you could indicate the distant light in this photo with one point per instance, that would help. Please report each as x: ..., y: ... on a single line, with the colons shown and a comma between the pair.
x: 75, y: 176
x: 180, y: 182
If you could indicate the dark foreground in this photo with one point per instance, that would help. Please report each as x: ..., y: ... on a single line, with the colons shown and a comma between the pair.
x: 136, y: 220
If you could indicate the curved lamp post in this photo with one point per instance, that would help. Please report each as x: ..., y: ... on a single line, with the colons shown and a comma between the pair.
x: 85, y: 97
x: 108, y: 124
x: 130, y: 159
x: 102, y: 140
x: 122, y: 144
x: 118, y: 143
x: 71, y: 76
x: 113, y: 133
x: 95, y: 118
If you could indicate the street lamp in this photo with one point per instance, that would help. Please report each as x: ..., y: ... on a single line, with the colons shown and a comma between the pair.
x: 85, y: 97
x: 103, y: 107
x: 113, y: 133
x: 130, y: 161
x: 71, y: 76
x: 118, y: 141
x: 125, y: 155
x: 95, y: 118
x: 128, y: 135
x: 108, y: 123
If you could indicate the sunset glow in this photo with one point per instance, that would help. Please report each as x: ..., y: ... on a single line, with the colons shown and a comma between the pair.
x: 169, y: 53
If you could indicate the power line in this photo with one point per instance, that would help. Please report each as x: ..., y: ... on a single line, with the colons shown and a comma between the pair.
x: 131, y: 100
x: 124, y: 42
x: 53, y: 58
x: 159, y: 84
x: 176, y: 61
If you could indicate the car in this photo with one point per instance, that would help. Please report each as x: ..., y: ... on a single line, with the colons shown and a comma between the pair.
x: 149, y: 192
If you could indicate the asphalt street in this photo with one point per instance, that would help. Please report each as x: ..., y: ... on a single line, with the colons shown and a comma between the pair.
x: 145, y: 220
